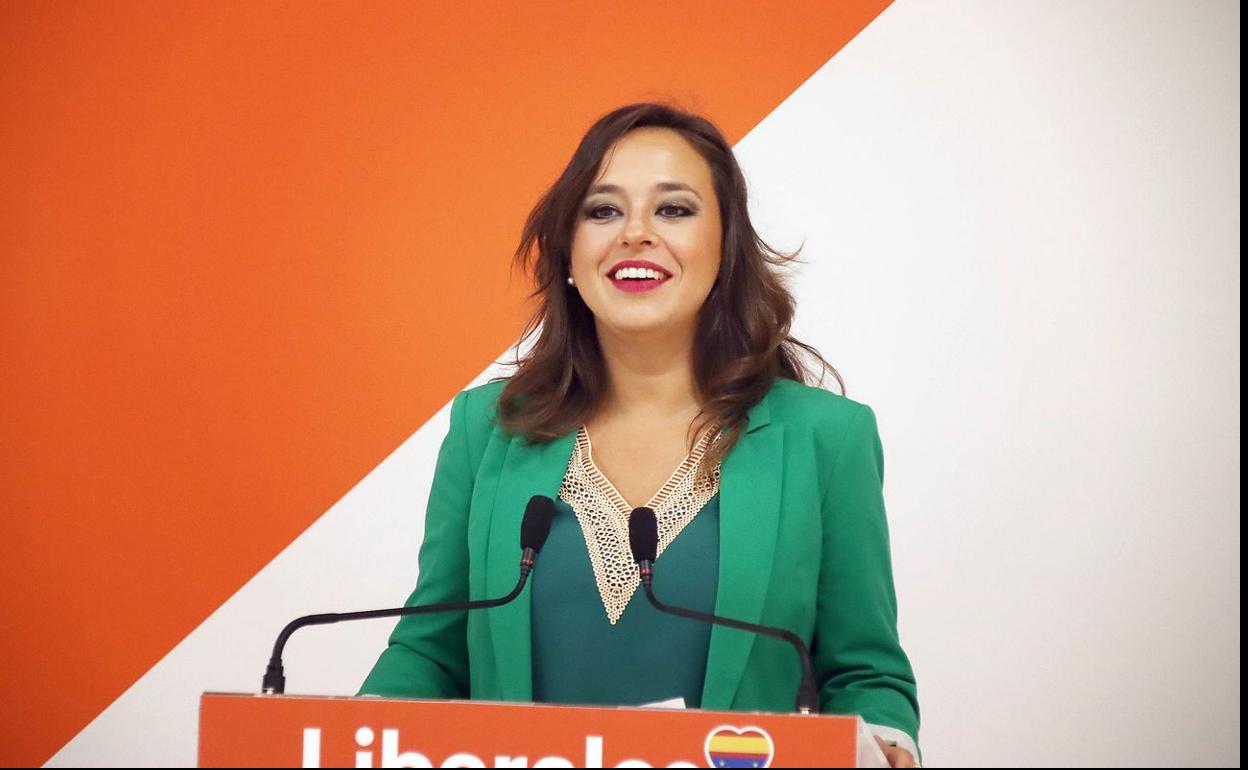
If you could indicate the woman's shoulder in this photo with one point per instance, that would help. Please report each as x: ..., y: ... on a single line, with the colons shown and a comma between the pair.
x: 472, y: 418
x: 829, y: 422
x: 791, y: 401
x: 486, y: 393
x: 480, y: 402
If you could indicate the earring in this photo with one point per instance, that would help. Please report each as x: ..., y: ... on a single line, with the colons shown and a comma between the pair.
x: 570, y: 281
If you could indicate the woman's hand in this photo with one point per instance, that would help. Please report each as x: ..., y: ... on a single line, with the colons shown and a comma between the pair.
x: 896, y: 756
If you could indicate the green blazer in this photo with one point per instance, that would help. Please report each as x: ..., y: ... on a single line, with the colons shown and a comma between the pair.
x: 803, y: 546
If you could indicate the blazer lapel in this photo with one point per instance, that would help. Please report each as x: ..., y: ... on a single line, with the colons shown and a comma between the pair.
x: 749, y: 515
x: 527, y: 470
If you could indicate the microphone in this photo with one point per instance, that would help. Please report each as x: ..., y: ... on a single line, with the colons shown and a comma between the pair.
x: 534, y: 530
x: 643, y: 538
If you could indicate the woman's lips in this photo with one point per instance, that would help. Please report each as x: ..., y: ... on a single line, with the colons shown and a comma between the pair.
x: 634, y: 285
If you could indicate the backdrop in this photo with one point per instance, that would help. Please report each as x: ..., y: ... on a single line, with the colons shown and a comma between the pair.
x: 251, y: 251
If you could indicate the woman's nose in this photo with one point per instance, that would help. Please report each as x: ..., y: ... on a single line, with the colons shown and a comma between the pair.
x: 636, y: 231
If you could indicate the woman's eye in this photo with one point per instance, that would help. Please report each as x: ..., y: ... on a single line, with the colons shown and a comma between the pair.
x: 603, y: 212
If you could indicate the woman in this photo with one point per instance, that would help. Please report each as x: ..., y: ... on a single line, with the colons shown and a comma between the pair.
x: 663, y: 376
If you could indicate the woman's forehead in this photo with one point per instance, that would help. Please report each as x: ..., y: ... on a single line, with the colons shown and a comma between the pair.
x: 646, y: 157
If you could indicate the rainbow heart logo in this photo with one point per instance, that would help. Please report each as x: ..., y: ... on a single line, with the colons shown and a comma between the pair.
x: 729, y: 747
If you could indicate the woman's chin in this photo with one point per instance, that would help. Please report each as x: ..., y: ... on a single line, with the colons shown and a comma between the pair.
x: 641, y: 324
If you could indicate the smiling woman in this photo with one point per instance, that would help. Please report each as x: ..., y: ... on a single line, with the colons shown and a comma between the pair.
x: 648, y: 228
x: 665, y: 336
x: 651, y: 186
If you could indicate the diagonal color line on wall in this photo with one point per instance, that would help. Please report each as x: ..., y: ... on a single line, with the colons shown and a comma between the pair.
x: 247, y: 252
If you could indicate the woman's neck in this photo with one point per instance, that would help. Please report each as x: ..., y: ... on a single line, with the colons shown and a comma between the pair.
x: 648, y: 375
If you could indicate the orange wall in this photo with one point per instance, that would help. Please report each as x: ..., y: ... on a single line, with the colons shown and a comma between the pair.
x: 248, y: 248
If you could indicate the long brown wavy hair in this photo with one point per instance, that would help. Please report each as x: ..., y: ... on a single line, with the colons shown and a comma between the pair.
x: 741, y: 344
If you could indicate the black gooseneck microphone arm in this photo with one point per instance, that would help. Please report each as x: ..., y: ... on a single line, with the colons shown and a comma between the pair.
x: 534, y: 530
x: 643, y: 535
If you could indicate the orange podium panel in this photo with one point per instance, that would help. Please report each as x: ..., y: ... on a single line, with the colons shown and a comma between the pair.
x: 314, y: 731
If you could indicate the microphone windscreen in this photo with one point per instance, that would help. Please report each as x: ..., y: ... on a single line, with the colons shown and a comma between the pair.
x: 535, y: 527
x: 643, y: 534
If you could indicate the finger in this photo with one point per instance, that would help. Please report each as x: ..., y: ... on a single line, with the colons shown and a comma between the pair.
x: 896, y: 756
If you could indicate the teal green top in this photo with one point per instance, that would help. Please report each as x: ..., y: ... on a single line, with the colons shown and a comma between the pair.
x: 803, y: 545
x: 647, y: 656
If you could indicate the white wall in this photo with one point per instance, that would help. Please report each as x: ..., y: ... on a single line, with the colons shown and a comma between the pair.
x: 1022, y: 227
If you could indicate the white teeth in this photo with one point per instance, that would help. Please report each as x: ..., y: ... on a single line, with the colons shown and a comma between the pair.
x: 637, y: 272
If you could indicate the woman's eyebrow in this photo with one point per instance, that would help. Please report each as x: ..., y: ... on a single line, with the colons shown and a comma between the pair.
x: 661, y: 187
